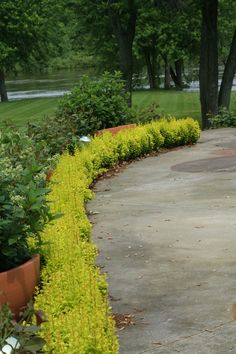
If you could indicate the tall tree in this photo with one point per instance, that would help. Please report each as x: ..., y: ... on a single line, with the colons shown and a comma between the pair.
x: 216, y: 12
x: 208, y: 74
x: 146, y: 41
x: 22, y: 31
x: 109, y: 24
x: 123, y: 16
x: 227, y: 49
x: 228, y: 76
x: 168, y: 33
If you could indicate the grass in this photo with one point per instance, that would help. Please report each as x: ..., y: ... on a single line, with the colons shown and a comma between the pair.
x: 177, y: 103
x: 22, y: 111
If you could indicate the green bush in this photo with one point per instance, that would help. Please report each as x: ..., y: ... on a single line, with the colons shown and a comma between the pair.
x: 224, y: 119
x: 55, y: 134
x: 95, y: 105
x: 176, y: 133
x: 24, y: 209
x: 148, y: 114
x: 74, y: 293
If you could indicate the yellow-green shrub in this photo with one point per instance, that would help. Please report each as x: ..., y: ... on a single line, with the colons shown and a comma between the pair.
x: 74, y: 293
x: 179, y: 131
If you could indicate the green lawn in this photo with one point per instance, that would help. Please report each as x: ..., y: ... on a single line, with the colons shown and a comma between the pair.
x: 22, y: 111
x: 177, y: 103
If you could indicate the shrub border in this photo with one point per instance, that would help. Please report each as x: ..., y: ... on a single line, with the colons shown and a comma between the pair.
x: 77, y: 307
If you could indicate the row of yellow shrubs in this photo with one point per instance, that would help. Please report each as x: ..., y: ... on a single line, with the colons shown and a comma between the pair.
x: 74, y: 293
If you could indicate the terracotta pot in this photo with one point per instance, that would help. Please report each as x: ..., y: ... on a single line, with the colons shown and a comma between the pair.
x: 17, y: 285
x: 115, y: 130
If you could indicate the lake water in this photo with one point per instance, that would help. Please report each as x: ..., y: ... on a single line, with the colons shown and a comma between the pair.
x: 55, y: 84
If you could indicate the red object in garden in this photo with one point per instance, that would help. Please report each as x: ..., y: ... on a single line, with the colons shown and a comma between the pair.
x: 49, y: 175
x: 17, y: 285
x: 115, y: 130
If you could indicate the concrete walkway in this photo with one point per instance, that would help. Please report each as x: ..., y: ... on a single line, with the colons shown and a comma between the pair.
x: 166, y: 231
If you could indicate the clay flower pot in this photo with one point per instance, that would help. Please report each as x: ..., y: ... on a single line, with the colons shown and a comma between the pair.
x: 17, y: 285
x: 115, y: 130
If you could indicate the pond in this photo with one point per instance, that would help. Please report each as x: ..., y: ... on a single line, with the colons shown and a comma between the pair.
x: 38, y: 85
x: 57, y: 83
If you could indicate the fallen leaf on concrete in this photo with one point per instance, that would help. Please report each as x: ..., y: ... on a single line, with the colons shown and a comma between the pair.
x: 123, y: 320
x: 112, y: 298
x: 90, y: 212
x: 208, y: 330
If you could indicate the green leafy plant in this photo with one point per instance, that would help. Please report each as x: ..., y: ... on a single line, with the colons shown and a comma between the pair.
x: 24, y: 209
x: 148, y: 114
x: 224, y: 119
x: 95, y: 105
x: 21, y: 337
x: 54, y: 134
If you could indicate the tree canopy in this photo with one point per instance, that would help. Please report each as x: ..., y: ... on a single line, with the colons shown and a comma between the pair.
x: 157, y: 37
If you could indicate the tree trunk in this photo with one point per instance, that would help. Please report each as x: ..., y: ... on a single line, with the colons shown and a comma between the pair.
x: 176, y: 74
x: 174, y: 77
x: 126, y: 63
x: 150, y: 69
x: 3, y: 89
x: 228, y: 76
x: 208, y: 75
x: 125, y: 37
x: 157, y: 69
x: 167, y: 75
x: 179, y: 72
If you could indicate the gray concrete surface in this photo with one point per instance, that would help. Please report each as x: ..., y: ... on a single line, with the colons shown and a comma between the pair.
x: 166, y: 231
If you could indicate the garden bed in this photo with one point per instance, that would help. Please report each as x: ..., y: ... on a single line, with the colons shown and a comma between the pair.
x: 74, y: 293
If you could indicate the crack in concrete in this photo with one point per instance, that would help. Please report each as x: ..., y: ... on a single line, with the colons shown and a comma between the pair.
x: 206, y: 330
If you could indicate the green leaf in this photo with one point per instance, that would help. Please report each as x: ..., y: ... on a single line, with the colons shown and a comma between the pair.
x: 34, y: 344
x: 11, y: 241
